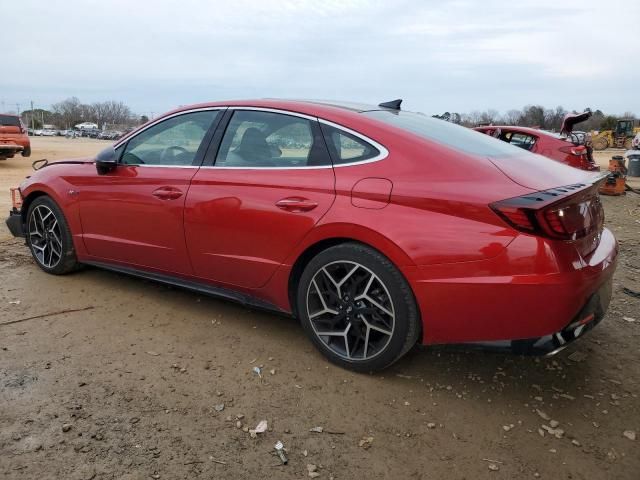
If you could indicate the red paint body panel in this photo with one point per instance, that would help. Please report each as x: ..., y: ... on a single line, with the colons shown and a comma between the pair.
x: 237, y: 235
x: 426, y: 207
x: 528, y: 291
x: 123, y: 221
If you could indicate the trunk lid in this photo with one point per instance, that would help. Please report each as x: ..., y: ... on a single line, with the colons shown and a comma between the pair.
x: 540, y: 173
x: 571, y: 120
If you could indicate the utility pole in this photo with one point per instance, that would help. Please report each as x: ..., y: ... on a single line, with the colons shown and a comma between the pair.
x: 18, y: 108
x: 33, y: 127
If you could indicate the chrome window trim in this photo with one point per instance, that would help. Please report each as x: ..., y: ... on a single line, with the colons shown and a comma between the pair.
x: 275, y: 110
x: 384, y: 153
x: 268, y: 168
x: 162, y: 119
x: 156, y: 166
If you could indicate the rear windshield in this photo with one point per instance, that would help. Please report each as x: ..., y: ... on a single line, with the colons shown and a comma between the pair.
x: 9, y: 121
x: 450, y: 134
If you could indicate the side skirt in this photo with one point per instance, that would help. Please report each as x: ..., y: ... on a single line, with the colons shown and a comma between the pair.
x: 217, y: 292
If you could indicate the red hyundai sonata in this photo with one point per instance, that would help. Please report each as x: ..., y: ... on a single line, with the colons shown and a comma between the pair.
x: 377, y: 228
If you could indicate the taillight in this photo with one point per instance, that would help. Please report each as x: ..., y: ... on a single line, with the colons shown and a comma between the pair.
x: 565, y: 213
x: 577, y: 150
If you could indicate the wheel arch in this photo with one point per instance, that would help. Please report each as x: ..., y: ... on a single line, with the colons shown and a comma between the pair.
x: 302, y: 261
x: 382, y: 245
x: 28, y: 200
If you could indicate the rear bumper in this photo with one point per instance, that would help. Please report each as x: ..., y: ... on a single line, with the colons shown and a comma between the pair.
x: 589, y: 316
x: 10, y: 147
x: 500, y: 302
x: 14, y: 222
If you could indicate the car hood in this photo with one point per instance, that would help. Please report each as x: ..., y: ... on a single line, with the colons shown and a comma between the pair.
x: 541, y: 173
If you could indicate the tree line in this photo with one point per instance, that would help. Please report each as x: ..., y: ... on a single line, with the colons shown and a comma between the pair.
x: 534, y: 116
x: 70, y: 112
x: 112, y: 113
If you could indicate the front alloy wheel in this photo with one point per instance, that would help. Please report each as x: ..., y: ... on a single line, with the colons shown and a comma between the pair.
x: 49, y: 237
x: 357, y: 307
x: 45, y: 236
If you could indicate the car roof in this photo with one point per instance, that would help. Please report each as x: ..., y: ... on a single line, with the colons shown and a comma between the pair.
x: 327, y: 109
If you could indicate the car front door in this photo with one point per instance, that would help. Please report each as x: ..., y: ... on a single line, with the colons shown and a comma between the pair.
x: 270, y: 182
x: 134, y: 213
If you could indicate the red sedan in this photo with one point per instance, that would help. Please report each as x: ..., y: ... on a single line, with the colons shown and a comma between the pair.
x: 377, y: 228
x: 569, y: 149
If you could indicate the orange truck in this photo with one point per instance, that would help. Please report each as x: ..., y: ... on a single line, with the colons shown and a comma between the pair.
x: 13, y: 137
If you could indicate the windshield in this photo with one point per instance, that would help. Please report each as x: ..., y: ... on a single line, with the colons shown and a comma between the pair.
x: 9, y: 121
x: 450, y: 134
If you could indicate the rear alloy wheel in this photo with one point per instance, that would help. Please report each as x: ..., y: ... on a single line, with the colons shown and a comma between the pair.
x: 357, y: 307
x: 49, y: 238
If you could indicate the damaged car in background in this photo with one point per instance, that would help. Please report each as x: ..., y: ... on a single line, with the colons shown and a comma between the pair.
x: 571, y: 147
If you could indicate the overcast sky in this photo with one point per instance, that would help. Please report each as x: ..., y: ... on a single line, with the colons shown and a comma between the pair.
x: 436, y: 55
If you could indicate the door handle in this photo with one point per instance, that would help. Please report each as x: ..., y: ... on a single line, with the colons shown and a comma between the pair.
x: 167, y: 193
x: 296, y: 204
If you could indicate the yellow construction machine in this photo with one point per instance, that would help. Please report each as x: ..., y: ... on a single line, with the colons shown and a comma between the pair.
x: 621, y: 137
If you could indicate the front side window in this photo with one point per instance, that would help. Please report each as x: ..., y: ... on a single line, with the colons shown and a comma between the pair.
x: 256, y: 139
x: 347, y: 148
x: 172, y: 142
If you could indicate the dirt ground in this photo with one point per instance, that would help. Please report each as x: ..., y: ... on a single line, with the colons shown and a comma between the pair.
x: 155, y: 382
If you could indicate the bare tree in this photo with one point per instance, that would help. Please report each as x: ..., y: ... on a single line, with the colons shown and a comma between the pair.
x: 70, y: 111
x: 490, y: 117
x: 512, y: 117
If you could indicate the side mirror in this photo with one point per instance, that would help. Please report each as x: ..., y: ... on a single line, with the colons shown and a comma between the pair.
x: 106, y: 160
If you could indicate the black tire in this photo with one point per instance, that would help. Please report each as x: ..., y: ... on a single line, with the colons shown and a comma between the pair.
x: 402, y: 323
x: 26, y: 152
x: 45, y: 244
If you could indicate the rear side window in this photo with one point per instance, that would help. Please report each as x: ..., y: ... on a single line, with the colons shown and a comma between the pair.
x: 522, y: 140
x: 9, y: 121
x: 347, y: 148
x: 258, y: 139
x: 446, y: 133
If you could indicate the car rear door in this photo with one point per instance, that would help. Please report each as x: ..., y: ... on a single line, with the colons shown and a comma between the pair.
x: 133, y: 214
x: 267, y: 182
